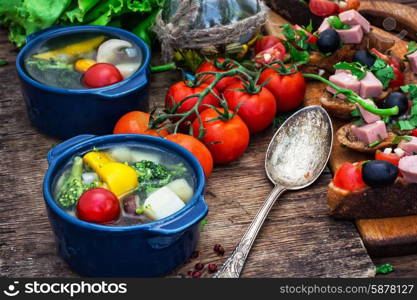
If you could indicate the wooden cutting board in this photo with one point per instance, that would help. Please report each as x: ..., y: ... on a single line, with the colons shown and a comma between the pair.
x: 382, y: 237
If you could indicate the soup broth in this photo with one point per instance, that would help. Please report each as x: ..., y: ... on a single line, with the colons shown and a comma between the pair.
x: 63, y: 61
x: 164, y: 183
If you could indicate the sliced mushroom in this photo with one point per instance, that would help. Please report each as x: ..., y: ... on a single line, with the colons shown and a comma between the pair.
x: 120, y: 53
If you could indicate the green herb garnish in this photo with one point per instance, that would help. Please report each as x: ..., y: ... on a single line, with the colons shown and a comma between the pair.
x: 383, y: 72
x: 203, y: 223
x: 299, y: 57
x: 374, y: 144
x: 400, y: 138
x: 384, y: 269
x: 3, y: 63
x: 405, y: 125
x: 356, y: 68
x: 336, y: 23
x: 412, y: 47
x: 356, y: 113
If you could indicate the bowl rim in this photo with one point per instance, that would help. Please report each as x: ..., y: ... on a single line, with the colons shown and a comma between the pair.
x: 55, y: 31
x: 114, y: 139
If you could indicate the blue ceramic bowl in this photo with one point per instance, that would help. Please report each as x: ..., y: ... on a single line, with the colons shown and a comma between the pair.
x: 64, y: 113
x: 145, y: 250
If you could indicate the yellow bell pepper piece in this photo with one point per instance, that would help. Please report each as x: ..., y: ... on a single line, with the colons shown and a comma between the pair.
x: 73, y: 49
x: 97, y: 160
x: 84, y: 64
x: 119, y: 178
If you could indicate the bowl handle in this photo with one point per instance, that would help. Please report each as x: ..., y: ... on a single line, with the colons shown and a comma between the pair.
x: 58, y: 149
x: 126, y: 88
x: 189, y: 218
x: 32, y: 36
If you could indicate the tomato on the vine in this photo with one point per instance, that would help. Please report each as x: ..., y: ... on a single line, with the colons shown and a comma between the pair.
x: 349, y: 177
x: 196, y: 147
x: 226, y: 135
x: 137, y: 122
x: 257, y: 110
x: 179, y: 91
x: 212, y: 67
x: 289, y: 90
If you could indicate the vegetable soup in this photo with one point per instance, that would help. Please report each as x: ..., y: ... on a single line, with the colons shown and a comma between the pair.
x: 124, y: 185
x: 83, y: 60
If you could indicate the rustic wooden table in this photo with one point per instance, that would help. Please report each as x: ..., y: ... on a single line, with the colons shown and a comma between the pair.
x: 297, y: 240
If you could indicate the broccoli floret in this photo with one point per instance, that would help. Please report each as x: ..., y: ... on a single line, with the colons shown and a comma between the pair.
x: 73, y: 186
x: 153, y: 176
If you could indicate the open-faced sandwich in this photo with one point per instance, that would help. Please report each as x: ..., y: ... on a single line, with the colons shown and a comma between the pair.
x: 337, y: 39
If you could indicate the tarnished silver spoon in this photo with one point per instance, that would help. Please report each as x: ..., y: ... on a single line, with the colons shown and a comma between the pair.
x: 296, y: 156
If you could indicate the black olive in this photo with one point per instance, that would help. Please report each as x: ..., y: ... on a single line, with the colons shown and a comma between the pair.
x: 365, y: 58
x: 397, y: 99
x: 379, y: 173
x: 328, y: 41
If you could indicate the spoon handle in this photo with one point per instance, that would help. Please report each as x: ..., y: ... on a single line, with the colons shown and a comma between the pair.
x: 234, y: 264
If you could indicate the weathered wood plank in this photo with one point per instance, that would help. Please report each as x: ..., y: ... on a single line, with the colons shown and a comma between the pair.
x: 298, y: 239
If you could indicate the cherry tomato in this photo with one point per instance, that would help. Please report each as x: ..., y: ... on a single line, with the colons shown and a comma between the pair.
x: 210, y: 67
x: 266, y: 42
x: 312, y: 39
x: 276, y: 52
x: 137, y: 122
x: 179, y: 91
x: 414, y: 132
x: 98, y: 206
x: 351, y: 4
x: 289, y: 90
x: 323, y: 8
x: 101, y: 74
x: 256, y: 110
x: 226, y: 139
x: 390, y: 157
x: 349, y: 177
x: 196, y: 147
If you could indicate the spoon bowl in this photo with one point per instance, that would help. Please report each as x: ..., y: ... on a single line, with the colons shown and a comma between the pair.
x: 296, y: 156
x: 300, y: 149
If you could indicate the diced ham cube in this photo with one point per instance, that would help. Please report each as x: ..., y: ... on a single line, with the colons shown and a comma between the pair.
x: 370, y: 86
x: 324, y: 26
x: 408, y: 168
x: 410, y: 147
x: 368, y: 116
x: 346, y: 81
x: 351, y: 36
x: 352, y: 17
x: 370, y: 133
x: 413, y: 61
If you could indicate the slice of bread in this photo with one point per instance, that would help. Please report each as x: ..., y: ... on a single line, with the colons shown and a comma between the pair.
x: 395, y: 200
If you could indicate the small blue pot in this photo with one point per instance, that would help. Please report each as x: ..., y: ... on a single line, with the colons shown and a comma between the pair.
x: 145, y: 250
x: 64, y: 113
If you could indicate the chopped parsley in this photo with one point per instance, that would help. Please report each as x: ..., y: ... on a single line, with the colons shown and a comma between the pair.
x: 336, y: 23
x: 400, y: 138
x: 412, y: 47
x: 356, y: 113
x: 384, y: 269
x: 356, y: 68
x: 297, y: 43
x: 203, y: 224
x: 383, y: 71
